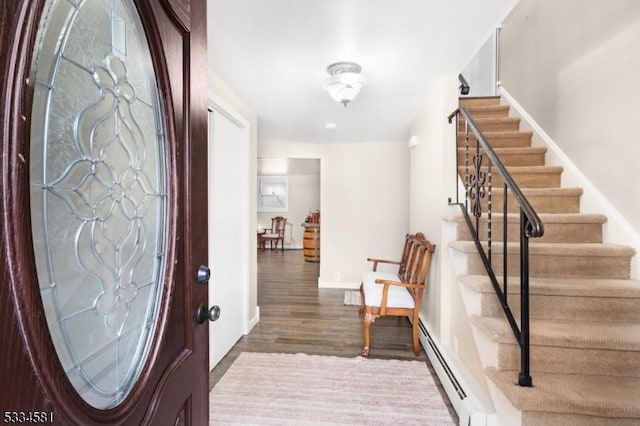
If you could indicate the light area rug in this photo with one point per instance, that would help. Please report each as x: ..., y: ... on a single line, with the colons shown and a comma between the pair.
x: 352, y: 297
x: 300, y: 389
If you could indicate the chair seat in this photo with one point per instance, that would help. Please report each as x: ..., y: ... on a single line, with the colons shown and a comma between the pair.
x: 398, y: 297
x: 270, y: 235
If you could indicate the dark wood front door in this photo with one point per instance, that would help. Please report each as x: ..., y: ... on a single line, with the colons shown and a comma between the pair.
x: 103, y: 212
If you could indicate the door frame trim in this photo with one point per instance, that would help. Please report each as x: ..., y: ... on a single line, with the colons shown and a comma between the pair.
x: 216, y: 103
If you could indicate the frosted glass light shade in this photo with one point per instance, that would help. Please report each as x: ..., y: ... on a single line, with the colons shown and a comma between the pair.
x: 345, y: 86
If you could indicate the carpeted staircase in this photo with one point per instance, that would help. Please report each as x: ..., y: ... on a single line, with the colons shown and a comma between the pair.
x: 585, y: 311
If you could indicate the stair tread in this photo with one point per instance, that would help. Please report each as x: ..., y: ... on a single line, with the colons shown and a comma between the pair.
x: 616, y: 336
x: 560, y: 192
x: 476, y: 108
x: 473, y: 98
x: 552, y: 249
x: 547, y: 218
x: 498, y: 135
x: 525, y: 169
x: 494, y: 120
x: 519, y: 150
x: 507, y: 134
x: 570, y: 287
x: 470, y: 99
x: 568, y: 393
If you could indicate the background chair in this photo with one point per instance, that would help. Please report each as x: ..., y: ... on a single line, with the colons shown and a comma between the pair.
x: 276, y: 232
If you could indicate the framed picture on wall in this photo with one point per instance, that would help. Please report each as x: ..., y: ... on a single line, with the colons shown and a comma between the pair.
x: 273, y: 194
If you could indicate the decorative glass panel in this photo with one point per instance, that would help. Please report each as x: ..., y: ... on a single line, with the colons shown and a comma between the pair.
x: 98, y: 192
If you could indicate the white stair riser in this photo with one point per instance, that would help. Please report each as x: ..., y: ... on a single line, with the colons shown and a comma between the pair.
x: 528, y: 159
x: 499, y: 125
x: 522, y: 140
x: 537, y: 418
x: 471, y: 101
x: 566, y: 307
x: 547, y: 179
x: 553, y: 232
x: 554, y: 359
x: 556, y: 266
x: 541, y: 203
x: 490, y: 111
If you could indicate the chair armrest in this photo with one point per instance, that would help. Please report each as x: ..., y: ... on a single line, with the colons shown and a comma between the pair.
x: 398, y: 283
x: 376, y: 261
x: 385, y: 291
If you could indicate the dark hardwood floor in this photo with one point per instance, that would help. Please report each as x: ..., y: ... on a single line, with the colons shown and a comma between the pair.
x: 296, y: 316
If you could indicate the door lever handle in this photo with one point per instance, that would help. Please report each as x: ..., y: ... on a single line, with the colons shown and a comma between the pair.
x: 211, y: 314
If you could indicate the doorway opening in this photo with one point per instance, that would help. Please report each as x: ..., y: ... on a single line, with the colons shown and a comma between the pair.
x: 290, y: 188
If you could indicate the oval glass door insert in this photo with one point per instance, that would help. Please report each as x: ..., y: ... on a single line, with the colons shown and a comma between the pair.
x: 98, y: 192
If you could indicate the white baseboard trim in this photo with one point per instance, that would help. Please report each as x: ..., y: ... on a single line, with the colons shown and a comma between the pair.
x: 617, y: 229
x: 458, y: 386
x: 253, y: 321
x: 508, y: 414
x: 339, y: 284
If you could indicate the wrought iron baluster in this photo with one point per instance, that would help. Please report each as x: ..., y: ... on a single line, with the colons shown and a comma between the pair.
x: 489, y: 186
x: 477, y: 187
x: 457, y: 160
x: 477, y: 209
x: 525, y: 376
x: 505, y: 225
x: 466, y: 165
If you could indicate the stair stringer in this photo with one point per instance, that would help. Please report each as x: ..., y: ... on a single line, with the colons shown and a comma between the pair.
x: 507, y: 414
x: 451, y: 349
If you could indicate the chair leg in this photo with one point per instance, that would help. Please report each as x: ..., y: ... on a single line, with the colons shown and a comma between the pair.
x: 361, y: 310
x: 368, y: 319
x: 416, y: 340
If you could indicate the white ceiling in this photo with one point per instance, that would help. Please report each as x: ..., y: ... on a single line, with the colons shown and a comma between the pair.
x: 274, y: 54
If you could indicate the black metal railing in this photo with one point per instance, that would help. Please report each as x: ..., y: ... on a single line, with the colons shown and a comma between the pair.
x: 478, y: 185
x: 464, y: 85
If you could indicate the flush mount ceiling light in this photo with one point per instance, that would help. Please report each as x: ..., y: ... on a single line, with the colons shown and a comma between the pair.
x: 345, y: 82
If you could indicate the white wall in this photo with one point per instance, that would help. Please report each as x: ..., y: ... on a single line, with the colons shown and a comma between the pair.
x: 364, y: 197
x: 433, y: 179
x: 225, y: 93
x: 480, y: 71
x: 574, y: 66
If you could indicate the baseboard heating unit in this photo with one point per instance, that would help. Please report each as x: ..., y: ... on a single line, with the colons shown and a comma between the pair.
x: 458, y: 385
